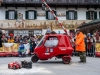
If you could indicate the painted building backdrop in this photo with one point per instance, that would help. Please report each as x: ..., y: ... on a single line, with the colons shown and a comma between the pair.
x: 41, y: 22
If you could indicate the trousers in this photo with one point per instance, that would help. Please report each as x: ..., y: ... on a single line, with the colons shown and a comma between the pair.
x: 82, y: 56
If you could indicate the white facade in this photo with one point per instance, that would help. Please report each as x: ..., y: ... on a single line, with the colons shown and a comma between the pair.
x: 81, y: 13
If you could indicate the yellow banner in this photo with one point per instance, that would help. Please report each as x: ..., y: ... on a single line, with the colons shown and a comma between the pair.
x: 97, y: 47
x: 9, y: 47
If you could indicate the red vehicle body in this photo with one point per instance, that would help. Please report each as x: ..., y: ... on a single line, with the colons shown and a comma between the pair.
x: 97, y: 54
x: 14, y: 65
x: 53, y: 45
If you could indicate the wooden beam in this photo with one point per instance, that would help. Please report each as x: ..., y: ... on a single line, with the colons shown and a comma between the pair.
x: 66, y: 7
x: 88, y: 7
x: 95, y: 7
x: 16, y: 6
x: 76, y: 7
x: 35, y: 6
x: 25, y: 5
x: 55, y: 6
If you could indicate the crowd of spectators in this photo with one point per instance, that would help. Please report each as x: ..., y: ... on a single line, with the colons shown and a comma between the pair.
x: 31, y: 40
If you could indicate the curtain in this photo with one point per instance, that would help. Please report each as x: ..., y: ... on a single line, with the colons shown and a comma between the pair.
x: 11, y: 15
x: 71, y: 15
x: 31, y: 14
x: 50, y: 16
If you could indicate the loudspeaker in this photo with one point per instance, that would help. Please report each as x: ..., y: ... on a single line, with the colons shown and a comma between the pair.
x: 26, y: 64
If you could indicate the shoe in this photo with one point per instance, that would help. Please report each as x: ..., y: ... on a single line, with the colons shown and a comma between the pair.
x: 80, y: 61
x: 84, y: 61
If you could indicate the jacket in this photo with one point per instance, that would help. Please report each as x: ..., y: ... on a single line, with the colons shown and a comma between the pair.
x: 80, y: 42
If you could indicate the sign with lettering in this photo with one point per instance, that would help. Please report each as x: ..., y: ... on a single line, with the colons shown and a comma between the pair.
x: 37, y: 32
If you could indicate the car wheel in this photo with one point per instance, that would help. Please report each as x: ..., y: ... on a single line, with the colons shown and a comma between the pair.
x: 34, y: 58
x: 66, y: 60
x: 14, y: 67
x: 9, y: 66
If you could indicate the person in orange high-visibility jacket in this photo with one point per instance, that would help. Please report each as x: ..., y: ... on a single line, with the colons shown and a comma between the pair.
x: 80, y: 45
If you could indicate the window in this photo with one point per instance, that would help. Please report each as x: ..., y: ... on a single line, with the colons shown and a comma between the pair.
x: 51, y: 41
x: 71, y: 15
x: 11, y: 15
x: 49, y: 15
x: 41, y: 41
x: 31, y: 15
x: 99, y: 14
x: 91, y: 15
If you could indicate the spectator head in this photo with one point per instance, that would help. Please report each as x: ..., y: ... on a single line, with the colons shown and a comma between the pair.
x: 77, y: 31
x: 21, y: 42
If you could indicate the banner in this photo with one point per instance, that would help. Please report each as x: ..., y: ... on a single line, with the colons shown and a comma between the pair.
x: 9, y: 47
x: 97, y: 47
x: 13, y: 47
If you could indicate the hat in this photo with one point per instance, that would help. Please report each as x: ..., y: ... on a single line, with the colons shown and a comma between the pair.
x: 21, y: 41
x: 77, y: 29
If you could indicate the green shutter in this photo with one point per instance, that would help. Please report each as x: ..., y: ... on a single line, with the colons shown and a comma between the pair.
x: 26, y: 15
x: 99, y: 14
x: 55, y: 13
x: 16, y: 14
x: 35, y: 14
x: 67, y: 15
x: 95, y: 15
x: 46, y: 14
x: 87, y: 15
x: 75, y: 15
x: 6, y: 14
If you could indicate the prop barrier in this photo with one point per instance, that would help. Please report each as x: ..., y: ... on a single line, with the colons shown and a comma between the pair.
x: 97, y: 53
x: 11, y: 49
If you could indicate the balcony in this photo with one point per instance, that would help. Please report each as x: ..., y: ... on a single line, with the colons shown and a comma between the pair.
x: 33, y: 1
x: 58, y: 2
x: 21, y: 1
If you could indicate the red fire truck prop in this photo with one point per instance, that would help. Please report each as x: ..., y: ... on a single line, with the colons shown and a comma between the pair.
x: 14, y: 65
x: 53, y: 45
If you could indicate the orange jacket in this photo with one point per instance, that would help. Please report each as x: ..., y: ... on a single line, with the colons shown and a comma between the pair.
x: 80, y: 42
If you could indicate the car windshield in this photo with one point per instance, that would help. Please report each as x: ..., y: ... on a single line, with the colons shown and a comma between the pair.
x: 41, y: 41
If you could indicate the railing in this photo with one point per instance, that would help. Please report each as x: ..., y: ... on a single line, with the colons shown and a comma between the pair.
x: 20, y: 1
x: 77, y: 2
x: 33, y: 1
x: 8, y: 1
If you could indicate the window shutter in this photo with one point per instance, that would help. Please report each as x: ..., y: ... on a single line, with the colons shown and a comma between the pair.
x: 46, y: 14
x: 55, y: 12
x: 26, y: 14
x: 35, y: 14
x: 16, y: 14
x: 67, y: 15
x: 99, y: 14
x: 87, y: 15
x: 75, y: 15
x: 95, y: 15
x: 6, y: 14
